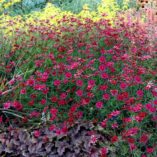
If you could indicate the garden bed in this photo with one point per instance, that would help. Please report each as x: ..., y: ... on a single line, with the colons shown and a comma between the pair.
x: 59, y: 69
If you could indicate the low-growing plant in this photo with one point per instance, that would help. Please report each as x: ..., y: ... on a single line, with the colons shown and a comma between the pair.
x: 82, y: 69
x: 75, y: 141
x: 60, y: 68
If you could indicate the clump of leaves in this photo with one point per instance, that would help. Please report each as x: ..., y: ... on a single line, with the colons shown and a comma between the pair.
x: 77, y: 142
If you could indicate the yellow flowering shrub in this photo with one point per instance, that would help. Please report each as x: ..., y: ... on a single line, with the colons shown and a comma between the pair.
x: 110, y: 7
x: 9, y: 24
x: 6, y: 4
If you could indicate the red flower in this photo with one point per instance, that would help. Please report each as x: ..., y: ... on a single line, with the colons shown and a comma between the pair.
x: 68, y: 75
x: 150, y: 108
x: 142, y: 114
x: 64, y: 130
x: 85, y: 101
x: 57, y: 82
x: 114, y: 92
x: 114, y: 139
x: 104, y: 76
x: 63, y: 95
x: 53, y: 111
x: 99, y: 105
x: 130, y: 100
x: 127, y: 120
x: 40, y: 87
x: 114, y: 125
x: 34, y: 114
x: 138, y: 79
x: 154, y: 92
x: 79, y: 93
x: 45, y: 109
x: 104, y: 151
x: 54, y: 99
x: 102, y: 59
x: 110, y: 64
x: 23, y: 91
x: 93, y: 139
x: 30, y: 82
x: 51, y: 56
x: 31, y: 103
x: 102, y: 67
x: 103, y: 87
x: 33, y: 96
x: 1, y: 119
x: 45, y: 139
x: 44, y: 77
x: 131, y: 132
x: 24, y: 119
x: 104, y: 123
x: 136, y: 108
x: 43, y: 101
x: 37, y: 133
x: 52, y: 127
x: 114, y: 114
x: 125, y: 57
x: 79, y: 83
x: 45, y: 91
x: 17, y: 105
x: 132, y: 146
x: 122, y: 96
x: 38, y: 63
x: 51, y: 36
x: 90, y: 94
x: 123, y: 85
x: 139, y: 93
x: 79, y: 114
x: 130, y: 140
x: 61, y: 102
x: 114, y: 82
x: 91, y: 83
x: 155, y: 102
x: 7, y: 105
x: 11, y: 82
x: 144, y: 138
x: 150, y: 150
x: 106, y: 97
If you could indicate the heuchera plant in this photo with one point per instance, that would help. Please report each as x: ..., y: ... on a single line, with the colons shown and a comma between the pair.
x: 78, y: 141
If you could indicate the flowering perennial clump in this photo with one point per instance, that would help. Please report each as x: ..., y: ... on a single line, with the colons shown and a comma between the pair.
x: 80, y: 68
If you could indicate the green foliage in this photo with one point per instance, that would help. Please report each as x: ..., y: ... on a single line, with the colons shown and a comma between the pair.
x: 21, y: 7
x: 126, y: 3
x: 76, y: 5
